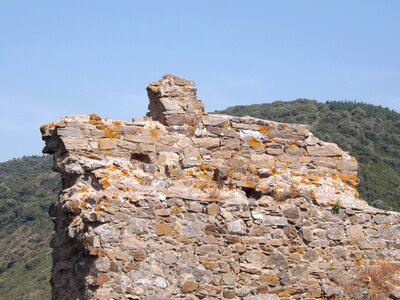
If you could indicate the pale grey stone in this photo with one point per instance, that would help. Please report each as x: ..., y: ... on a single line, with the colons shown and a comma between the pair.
x: 237, y: 227
x: 170, y: 257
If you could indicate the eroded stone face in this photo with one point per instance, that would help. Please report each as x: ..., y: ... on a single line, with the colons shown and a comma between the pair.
x: 183, y: 204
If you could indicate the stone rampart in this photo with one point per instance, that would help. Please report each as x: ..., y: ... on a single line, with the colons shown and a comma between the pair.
x: 184, y: 204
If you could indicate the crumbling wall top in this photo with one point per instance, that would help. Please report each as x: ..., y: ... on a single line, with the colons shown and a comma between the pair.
x: 173, y: 95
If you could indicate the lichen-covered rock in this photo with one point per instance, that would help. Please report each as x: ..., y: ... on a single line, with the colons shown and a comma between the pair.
x: 183, y: 204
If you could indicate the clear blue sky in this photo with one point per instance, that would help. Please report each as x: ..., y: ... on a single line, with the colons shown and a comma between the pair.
x: 72, y: 57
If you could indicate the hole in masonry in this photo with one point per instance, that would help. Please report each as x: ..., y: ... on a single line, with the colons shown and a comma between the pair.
x: 252, y: 193
x: 141, y: 158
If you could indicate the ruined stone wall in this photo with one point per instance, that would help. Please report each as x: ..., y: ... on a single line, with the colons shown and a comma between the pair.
x: 183, y: 204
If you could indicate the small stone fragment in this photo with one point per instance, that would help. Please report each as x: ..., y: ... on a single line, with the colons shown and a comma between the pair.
x: 102, y: 279
x: 189, y: 286
x: 163, y: 229
x: 169, y: 257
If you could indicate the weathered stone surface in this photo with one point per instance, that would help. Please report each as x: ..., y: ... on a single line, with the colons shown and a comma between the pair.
x: 292, y: 212
x: 169, y: 257
x: 335, y: 234
x: 184, y: 204
x: 237, y: 227
x: 256, y: 257
x: 327, y: 149
x: 163, y: 229
x: 277, y: 221
x: 189, y: 286
x: 355, y: 233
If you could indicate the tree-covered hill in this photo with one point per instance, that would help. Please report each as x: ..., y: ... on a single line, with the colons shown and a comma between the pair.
x: 371, y: 133
x: 27, y: 187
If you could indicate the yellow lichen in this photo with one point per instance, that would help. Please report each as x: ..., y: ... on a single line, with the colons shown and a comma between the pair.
x: 94, y: 119
x: 112, y: 168
x: 253, y: 142
x: 105, y: 183
x: 117, y: 123
x: 284, y: 294
x: 250, y: 184
x: 154, y: 132
x: 264, y: 129
x: 51, y: 125
x: 111, y: 133
x: 84, y: 190
x: 350, y: 179
x: 124, y: 188
x: 313, y: 177
x: 205, y: 167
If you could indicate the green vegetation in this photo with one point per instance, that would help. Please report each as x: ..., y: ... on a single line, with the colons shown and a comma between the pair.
x: 371, y: 133
x: 27, y: 188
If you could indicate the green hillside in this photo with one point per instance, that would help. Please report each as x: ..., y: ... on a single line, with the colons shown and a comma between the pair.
x: 371, y: 133
x: 27, y: 187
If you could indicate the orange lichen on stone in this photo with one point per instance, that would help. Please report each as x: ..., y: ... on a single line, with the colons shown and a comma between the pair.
x: 154, y: 132
x: 350, y: 179
x: 255, y: 143
x: 250, y: 184
x: 314, y: 177
x: 111, y: 133
x: 205, y: 167
x: 51, y: 125
x: 264, y: 129
x: 105, y: 183
x: 117, y: 124
x: 94, y: 119
x: 84, y: 190
x: 125, y: 188
x: 112, y: 168
x: 176, y: 210
x: 284, y: 294
x: 202, y: 184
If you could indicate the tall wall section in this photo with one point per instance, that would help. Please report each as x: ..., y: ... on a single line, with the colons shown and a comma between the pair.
x: 184, y: 204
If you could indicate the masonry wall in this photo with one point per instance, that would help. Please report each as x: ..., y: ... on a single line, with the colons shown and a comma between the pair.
x: 183, y: 204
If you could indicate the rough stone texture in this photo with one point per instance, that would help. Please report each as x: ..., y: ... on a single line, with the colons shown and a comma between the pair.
x: 183, y: 204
